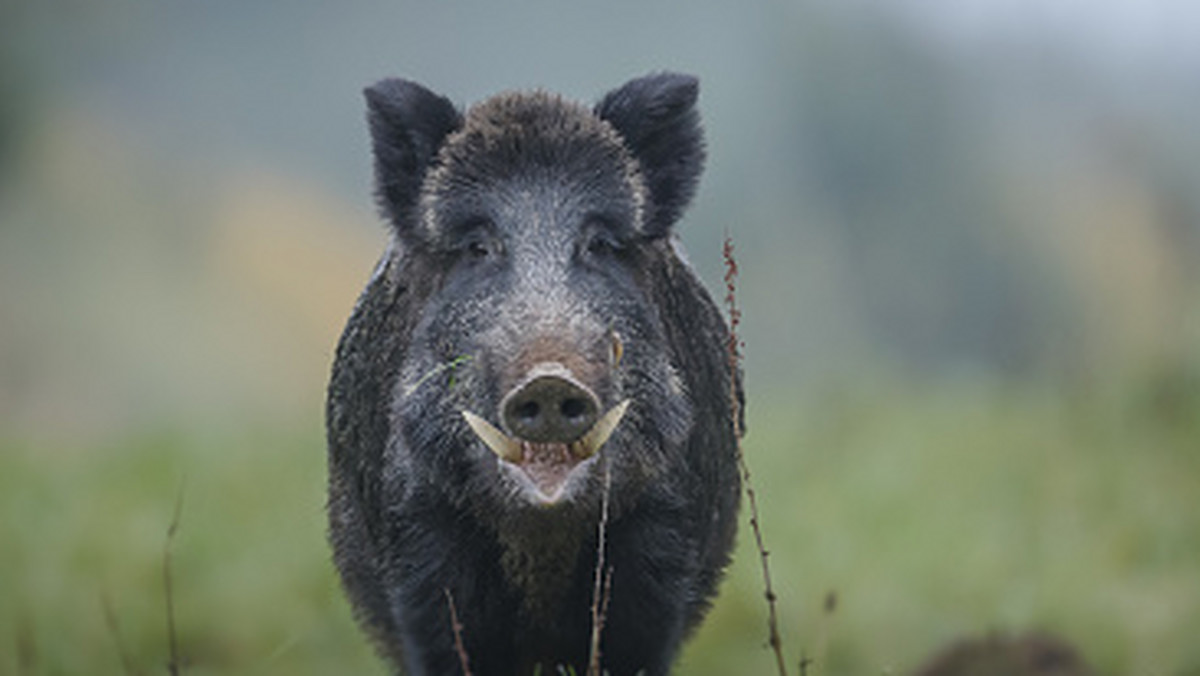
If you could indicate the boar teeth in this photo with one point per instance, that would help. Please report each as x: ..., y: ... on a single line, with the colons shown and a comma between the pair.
x: 507, y: 448
x: 498, y: 441
x: 600, y: 432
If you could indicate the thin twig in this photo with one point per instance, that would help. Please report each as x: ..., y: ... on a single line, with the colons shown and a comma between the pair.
x: 174, y: 667
x: 735, y: 357
x: 27, y: 655
x: 114, y: 628
x: 445, y: 366
x: 603, y: 581
x: 828, y: 609
x: 607, y: 595
x: 456, y: 627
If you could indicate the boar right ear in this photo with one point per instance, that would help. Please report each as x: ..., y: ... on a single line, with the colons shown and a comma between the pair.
x: 656, y: 116
x: 408, y: 124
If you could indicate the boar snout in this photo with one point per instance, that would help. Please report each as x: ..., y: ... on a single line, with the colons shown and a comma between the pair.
x: 554, y: 424
x: 550, y: 406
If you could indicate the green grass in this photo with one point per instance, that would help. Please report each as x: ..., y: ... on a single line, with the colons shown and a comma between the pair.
x: 930, y: 513
x: 254, y: 588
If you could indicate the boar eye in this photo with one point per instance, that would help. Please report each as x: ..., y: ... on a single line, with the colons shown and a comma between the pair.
x: 479, y: 249
x: 476, y: 240
x: 603, y: 243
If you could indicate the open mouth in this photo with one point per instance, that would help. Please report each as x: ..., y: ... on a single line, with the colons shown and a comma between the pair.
x: 547, y: 464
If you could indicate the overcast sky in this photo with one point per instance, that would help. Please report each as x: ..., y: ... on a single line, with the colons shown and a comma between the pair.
x: 1115, y: 32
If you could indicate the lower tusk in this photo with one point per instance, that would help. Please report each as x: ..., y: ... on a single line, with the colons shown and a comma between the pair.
x: 509, y: 449
x: 499, y: 442
x: 591, y: 442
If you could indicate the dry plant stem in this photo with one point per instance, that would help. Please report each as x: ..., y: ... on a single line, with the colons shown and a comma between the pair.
x: 735, y: 356
x: 110, y: 621
x: 173, y: 664
x: 603, y: 581
x: 456, y: 627
x: 829, y: 607
x: 607, y: 593
x: 26, y: 646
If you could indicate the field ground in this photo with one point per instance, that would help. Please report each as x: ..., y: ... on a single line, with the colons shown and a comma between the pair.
x: 927, y: 513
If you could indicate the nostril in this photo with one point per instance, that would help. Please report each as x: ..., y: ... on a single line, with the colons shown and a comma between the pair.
x: 527, y: 411
x: 573, y: 408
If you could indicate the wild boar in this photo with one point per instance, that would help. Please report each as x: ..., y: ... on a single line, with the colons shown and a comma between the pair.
x: 533, y: 354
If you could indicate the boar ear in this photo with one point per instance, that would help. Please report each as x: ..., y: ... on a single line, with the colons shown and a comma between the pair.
x: 408, y: 124
x: 656, y: 116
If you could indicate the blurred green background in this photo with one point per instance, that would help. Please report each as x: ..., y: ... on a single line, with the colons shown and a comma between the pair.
x: 968, y: 234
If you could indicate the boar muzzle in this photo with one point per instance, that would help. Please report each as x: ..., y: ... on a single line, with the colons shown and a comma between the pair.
x: 550, y: 406
x: 555, y: 424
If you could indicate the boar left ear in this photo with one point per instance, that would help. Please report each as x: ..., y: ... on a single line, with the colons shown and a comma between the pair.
x: 656, y: 116
x: 408, y: 125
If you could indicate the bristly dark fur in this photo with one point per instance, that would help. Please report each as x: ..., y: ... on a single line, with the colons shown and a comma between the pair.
x: 531, y: 229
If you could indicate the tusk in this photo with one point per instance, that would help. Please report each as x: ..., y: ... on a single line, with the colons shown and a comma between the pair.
x: 499, y: 442
x: 601, y: 431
